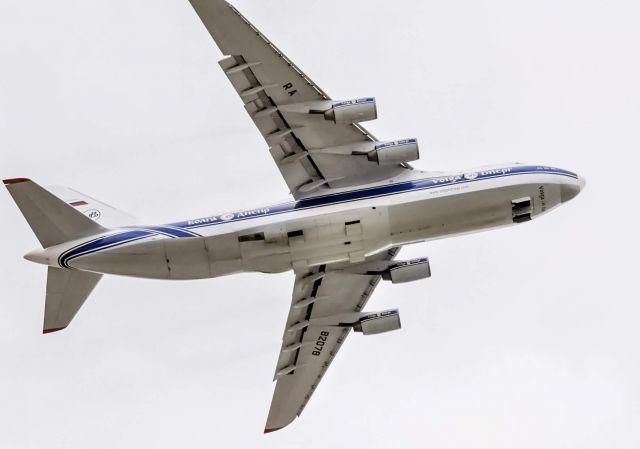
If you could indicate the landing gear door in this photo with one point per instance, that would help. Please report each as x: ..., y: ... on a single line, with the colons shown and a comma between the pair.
x: 521, y: 209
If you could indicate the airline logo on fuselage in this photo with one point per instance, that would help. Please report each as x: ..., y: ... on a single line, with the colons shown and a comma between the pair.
x: 229, y: 216
x: 471, y: 175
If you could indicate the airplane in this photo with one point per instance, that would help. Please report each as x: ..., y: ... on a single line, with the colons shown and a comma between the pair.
x: 356, y: 201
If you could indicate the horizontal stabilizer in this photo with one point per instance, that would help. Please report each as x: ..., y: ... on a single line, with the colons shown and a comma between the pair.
x: 66, y: 292
x: 51, y: 219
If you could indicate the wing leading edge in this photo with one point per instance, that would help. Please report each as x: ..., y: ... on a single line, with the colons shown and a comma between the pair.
x: 312, y: 153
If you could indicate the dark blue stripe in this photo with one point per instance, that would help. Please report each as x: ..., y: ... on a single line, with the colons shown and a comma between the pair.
x: 171, y: 231
x: 127, y: 236
x: 108, y: 241
x: 113, y: 240
x: 373, y: 192
x: 354, y: 102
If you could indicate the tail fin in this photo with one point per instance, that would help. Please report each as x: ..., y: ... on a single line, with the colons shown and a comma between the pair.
x: 51, y: 219
x: 66, y: 292
x: 101, y: 213
x: 55, y: 221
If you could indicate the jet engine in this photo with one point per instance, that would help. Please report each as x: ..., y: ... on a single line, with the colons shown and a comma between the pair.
x: 378, y: 322
x: 352, y: 111
x: 407, y: 271
x: 395, y: 152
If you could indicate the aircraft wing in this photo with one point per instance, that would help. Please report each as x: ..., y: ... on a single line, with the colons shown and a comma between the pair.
x: 312, y: 153
x: 325, y: 299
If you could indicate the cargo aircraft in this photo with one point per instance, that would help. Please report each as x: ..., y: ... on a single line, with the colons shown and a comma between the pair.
x: 356, y: 202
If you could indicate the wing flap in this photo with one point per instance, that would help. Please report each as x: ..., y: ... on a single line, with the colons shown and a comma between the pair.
x: 323, y: 300
x: 235, y: 35
x: 294, y: 389
x: 278, y: 134
x: 280, y: 99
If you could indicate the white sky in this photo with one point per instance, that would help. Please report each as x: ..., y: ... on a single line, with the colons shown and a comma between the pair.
x: 524, y: 338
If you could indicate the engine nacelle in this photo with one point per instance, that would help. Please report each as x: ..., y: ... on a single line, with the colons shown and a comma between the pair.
x: 407, y: 271
x: 352, y: 111
x: 378, y: 322
x: 395, y: 152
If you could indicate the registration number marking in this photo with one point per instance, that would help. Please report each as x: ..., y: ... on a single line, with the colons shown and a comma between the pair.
x: 320, y: 342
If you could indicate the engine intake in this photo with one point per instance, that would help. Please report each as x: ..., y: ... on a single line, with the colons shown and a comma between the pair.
x: 396, y: 152
x: 407, y: 271
x: 378, y: 322
x: 352, y: 111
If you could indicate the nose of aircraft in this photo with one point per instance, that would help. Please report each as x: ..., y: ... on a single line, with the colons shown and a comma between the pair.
x: 581, y: 182
x: 570, y: 191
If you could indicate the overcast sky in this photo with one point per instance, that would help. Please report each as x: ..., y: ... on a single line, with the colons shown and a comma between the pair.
x: 525, y: 337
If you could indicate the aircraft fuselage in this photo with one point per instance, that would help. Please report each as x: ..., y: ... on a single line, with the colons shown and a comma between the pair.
x: 348, y: 225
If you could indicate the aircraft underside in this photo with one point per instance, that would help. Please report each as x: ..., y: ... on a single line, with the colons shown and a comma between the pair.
x: 356, y: 202
x: 323, y: 238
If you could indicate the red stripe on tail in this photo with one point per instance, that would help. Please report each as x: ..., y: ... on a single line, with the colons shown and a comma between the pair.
x: 14, y: 181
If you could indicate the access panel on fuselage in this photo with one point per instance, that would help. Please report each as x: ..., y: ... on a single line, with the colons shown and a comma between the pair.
x: 454, y: 214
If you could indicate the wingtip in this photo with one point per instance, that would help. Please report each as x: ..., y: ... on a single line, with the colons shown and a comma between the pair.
x: 266, y: 430
x: 14, y: 181
x: 53, y: 329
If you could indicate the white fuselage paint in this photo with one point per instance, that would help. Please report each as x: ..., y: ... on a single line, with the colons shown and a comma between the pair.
x: 352, y: 227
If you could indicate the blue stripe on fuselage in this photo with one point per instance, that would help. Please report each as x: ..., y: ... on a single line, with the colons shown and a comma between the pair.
x: 172, y: 231
x: 373, y: 192
x: 182, y: 229
x: 101, y: 243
